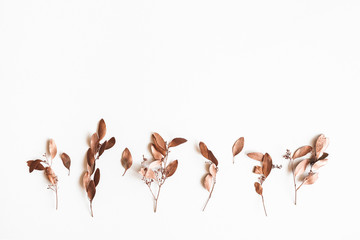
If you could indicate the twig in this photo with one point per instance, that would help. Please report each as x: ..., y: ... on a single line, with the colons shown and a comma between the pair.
x: 262, y: 197
x: 212, y: 189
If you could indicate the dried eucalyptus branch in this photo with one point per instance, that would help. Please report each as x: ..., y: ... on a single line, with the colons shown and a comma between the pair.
x: 317, y: 160
x: 91, y: 176
x: 46, y: 166
x: 263, y: 170
x: 154, y: 173
x: 210, y: 178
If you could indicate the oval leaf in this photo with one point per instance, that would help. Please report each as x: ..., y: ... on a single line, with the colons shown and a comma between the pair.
x: 90, y: 158
x: 171, y: 168
x: 266, y: 165
x: 213, y: 169
x: 213, y: 158
x: 102, y: 129
x: 208, y: 182
x: 177, y: 141
x: 66, y: 161
x: 91, y: 190
x: 159, y: 143
x: 35, y: 165
x: 150, y: 174
x: 319, y: 164
x: 156, y: 154
x: 204, y: 150
x: 94, y: 142
x: 311, y: 178
x: 258, y: 188
x: 155, y: 164
x: 97, y: 177
x: 302, y: 151
x: 110, y: 143
x: 52, y: 148
x: 301, y: 167
x: 126, y: 160
x: 256, y: 156
x: 86, y: 179
x: 321, y: 144
x: 238, y: 146
x: 102, y: 148
x: 257, y: 170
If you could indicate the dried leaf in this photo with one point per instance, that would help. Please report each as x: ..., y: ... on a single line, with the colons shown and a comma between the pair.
x: 266, y: 165
x: 102, y: 129
x: 126, y: 160
x: 311, y: 178
x: 177, y: 141
x: 159, y: 143
x: 301, y: 167
x: 256, y: 156
x: 150, y: 174
x: 155, y: 164
x: 94, y: 142
x: 171, y: 168
x: 257, y: 170
x: 35, y: 165
x: 319, y: 164
x: 321, y: 144
x: 258, y: 188
x: 102, y: 148
x: 90, y: 158
x: 86, y: 179
x: 213, y: 158
x: 208, y: 182
x: 97, y: 177
x: 66, y: 161
x: 238, y: 146
x: 325, y: 155
x: 52, y: 148
x: 204, y: 150
x: 110, y: 143
x: 213, y: 169
x: 156, y: 154
x: 302, y: 151
x: 91, y: 190
x: 51, y: 175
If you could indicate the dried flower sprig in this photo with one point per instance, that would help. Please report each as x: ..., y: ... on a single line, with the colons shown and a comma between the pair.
x: 237, y: 147
x: 210, y: 178
x: 263, y: 170
x: 154, y: 173
x: 316, y: 160
x: 46, y: 166
x: 91, y: 176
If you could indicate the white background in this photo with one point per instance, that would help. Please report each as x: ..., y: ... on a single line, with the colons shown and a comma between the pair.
x: 276, y: 72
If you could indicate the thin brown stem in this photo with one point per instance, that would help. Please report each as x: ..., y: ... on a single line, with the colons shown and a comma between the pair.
x: 56, y: 193
x: 262, y: 197
x: 156, y: 199
x: 212, y: 189
x: 293, y: 172
x: 300, y: 185
x: 92, y: 214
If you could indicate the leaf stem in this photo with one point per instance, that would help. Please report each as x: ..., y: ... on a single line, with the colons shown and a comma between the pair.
x: 212, y: 189
x: 301, y: 185
x: 262, y: 197
x: 56, y: 193
x: 293, y: 172
x: 156, y: 199
x: 92, y: 214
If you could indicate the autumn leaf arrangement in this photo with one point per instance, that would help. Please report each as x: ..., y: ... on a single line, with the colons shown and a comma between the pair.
x: 317, y: 159
x: 91, y: 176
x: 157, y: 170
x: 45, y: 165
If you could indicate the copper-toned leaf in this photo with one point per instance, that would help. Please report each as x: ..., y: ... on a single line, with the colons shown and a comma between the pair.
x: 302, y: 151
x: 325, y: 155
x: 256, y: 156
x: 208, y: 182
x: 159, y: 143
x: 319, y: 164
x: 156, y: 154
x: 126, y: 160
x: 86, y: 179
x: 91, y: 190
x: 66, y: 161
x: 155, y: 164
x: 150, y: 174
x: 102, y: 129
x: 177, y: 141
x: 52, y: 148
x: 90, y: 157
x: 258, y: 188
x: 257, y: 170
x: 213, y: 169
x: 238, y: 146
x: 35, y: 165
x: 51, y: 175
x: 110, y: 143
x: 204, y: 150
x: 102, y: 148
x: 213, y: 158
x: 301, y: 167
x: 321, y: 144
x: 266, y: 165
x: 97, y: 177
x: 171, y: 168
x: 311, y: 178
x: 94, y: 142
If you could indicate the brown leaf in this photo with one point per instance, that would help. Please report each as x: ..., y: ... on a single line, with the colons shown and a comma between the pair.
x: 91, y: 190
x: 171, y: 168
x: 256, y: 156
x: 204, y: 150
x: 213, y: 158
x: 102, y: 129
x: 266, y: 165
x: 90, y: 158
x: 150, y: 174
x: 258, y: 188
x: 156, y: 154
x: 325, y: 155
x: 257, y: 170
x: 102, y: 148
x: 159, y: 141
x: 94, y: 142
x: 213, y: 169
x: 52, y: 148
x: 238, y: 146
x: 321, y: 144
x: 208, y: 182
x: 97, y: 177
x: 319, y: 164
x: 177, y: 141
x: 51, y: 175
x: 66, y: 161
x: 302, y: 151
x: 110, y: 143
x: 155, y: 164
x: 86, y: 179
x: 311, y: 178
x: 126, y: 160
x: 301, y: 167
x: 35, y: 165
